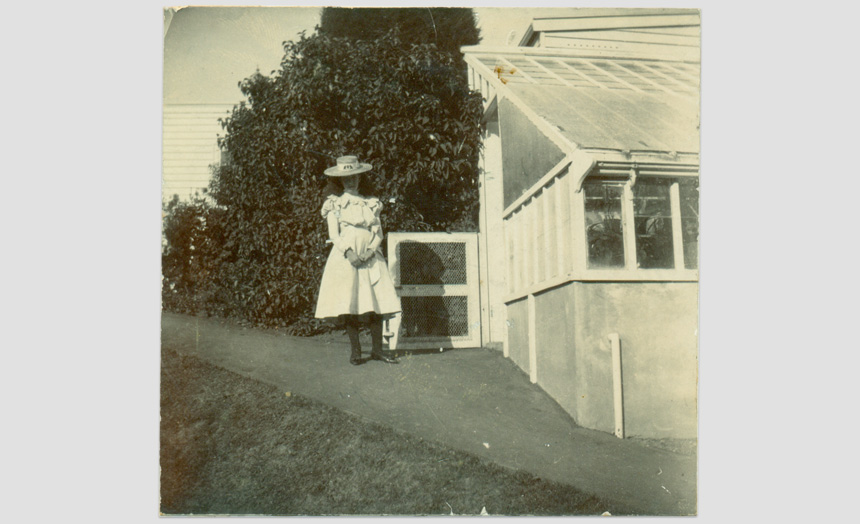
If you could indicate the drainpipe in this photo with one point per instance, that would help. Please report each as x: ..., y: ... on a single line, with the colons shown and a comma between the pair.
x: 617, y: 391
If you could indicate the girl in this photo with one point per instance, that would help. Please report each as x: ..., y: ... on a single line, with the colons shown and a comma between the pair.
x: 356, y: 286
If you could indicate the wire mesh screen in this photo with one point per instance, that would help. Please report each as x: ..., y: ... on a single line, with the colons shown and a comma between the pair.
x: 434, y: 317
x: 427, y: 263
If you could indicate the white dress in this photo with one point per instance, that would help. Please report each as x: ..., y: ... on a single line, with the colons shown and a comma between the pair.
x: 345, y: 289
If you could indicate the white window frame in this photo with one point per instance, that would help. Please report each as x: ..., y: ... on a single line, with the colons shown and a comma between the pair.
x: 631, y: 270
x: 591, y: 167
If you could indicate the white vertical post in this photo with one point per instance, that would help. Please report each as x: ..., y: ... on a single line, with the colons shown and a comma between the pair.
x: 528, y: 244
x: 532, y: 339
x: 541, y: 248
x: 514, y: 258
x: 508, y: 249
x: 578, y: 238
x: 534, y: 238
x: 561, y: 225
x: 677, y: 231
x: 393, y: 327
x: 617, y: 389
x: 520, y: 252
x: 525, y: 237
x: 474, y: 301
x: 628, y: 227
x: 497, y: 276
x: 550, y: 247
x: 506, y: 347
x: 484, y: 255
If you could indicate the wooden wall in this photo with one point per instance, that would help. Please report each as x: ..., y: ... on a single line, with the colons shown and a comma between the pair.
x: 190, y: 146
x: 664, y: 32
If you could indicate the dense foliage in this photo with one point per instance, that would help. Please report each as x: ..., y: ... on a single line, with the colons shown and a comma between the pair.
x: 448, y: 28
x: 406, y: 109
x: 193, y: 244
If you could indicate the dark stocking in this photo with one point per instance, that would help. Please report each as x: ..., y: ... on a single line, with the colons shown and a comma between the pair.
x: 376, y: 334
x: 354, y: 344
x: 376, y: 338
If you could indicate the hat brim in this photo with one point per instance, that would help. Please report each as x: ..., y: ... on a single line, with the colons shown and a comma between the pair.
x: 334, y: 171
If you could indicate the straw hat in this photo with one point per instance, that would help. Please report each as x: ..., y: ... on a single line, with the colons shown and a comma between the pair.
x: 348, y: 166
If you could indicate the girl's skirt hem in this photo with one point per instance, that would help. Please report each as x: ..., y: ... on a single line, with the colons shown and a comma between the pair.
x: 347, y: 290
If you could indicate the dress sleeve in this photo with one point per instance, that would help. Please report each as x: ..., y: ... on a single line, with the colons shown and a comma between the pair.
x: 376, y: 206
x: 376, y: 227
x: 329, y: 205
x: 331, y: 214
x: 334, y: 233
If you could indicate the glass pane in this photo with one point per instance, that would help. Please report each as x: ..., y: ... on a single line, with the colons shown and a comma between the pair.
x: 446, y: 316
x: 689, y: 190
x: 652, y: 214
x: 603, y: 225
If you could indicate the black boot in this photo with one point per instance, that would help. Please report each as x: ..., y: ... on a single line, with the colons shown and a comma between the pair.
x: 376, y: 339
x: 355, y: 345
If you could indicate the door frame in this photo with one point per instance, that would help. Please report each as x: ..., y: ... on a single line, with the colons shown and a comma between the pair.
x: 471, y: 290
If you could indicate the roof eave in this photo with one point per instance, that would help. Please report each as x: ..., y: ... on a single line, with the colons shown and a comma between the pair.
x: 524, y: 41
x: 682, y: 54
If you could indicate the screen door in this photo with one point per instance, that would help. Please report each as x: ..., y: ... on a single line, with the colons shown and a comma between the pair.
x: 436, y: 277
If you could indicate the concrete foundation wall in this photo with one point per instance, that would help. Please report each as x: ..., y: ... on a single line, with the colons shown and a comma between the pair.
x: 518, y: 333
x: 578, y: 377
x: 657, y: 324
x: 558, y: 358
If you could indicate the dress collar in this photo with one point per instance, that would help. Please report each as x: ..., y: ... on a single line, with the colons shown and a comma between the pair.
x: 348, y: 198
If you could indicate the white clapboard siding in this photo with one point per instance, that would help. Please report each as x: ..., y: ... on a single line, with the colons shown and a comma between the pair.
x: 630, y: 37
x: 190, y: 146
x: 620, y: 32
x: 677, y: 31
x: 604, y: 23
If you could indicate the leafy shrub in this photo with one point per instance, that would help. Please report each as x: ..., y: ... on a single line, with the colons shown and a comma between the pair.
x: 192, y: 246
x: 405, y: 109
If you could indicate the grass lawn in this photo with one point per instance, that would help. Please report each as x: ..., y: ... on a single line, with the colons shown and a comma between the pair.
x: 232, y: 445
